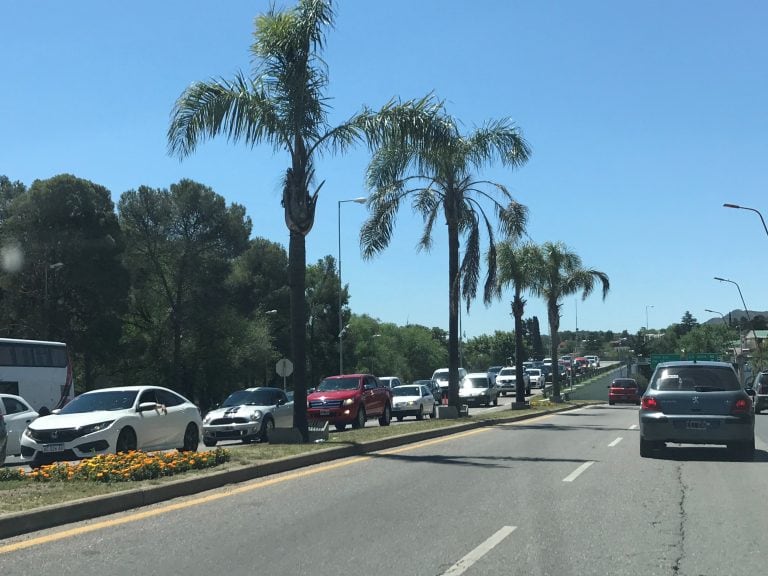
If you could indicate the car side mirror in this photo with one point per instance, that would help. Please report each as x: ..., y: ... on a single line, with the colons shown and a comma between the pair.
x: 751, y: 392
x: 55, y: 410
x: 146, y: 406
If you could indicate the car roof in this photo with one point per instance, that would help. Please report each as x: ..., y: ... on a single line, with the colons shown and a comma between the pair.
x: 693, y: 363
x: 128, y: 389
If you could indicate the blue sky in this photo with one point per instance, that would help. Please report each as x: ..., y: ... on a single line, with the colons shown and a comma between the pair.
x: 643, y: 117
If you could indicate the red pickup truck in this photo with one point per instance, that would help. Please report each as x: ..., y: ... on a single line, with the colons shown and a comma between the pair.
x: 350, y: 399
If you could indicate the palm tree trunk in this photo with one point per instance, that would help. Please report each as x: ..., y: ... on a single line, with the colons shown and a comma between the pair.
x: 518, y: 309
x: 453, y: 306
x: 554, y: 326
x: 297, y: 257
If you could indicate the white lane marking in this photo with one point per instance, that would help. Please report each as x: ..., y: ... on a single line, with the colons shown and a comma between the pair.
x: 576, y: 473
x: 462, y: 565
x: 633, y: 427
x: 612, y: 444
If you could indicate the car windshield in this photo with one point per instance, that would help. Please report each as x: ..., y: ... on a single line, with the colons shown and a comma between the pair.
x: 441, y: 375
x: 249, y: 397
x: 331, y: 384
x: 697, y: 378
x: 476, y: 383
x: 106, y: 400
x: 506, y: 371
x: 406, y: 391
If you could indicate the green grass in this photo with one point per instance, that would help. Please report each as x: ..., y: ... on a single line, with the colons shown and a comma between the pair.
x: 18, y: 496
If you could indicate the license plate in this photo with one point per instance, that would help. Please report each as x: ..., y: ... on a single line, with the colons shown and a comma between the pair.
x: 696, y: 425
x: 325, y: 412
x: 53, y: 448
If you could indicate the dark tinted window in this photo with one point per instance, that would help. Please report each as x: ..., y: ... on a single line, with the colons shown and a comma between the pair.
x: 697, y: 378
x: 13, y: 406
x: 106, y: 400
x: 168, y: 398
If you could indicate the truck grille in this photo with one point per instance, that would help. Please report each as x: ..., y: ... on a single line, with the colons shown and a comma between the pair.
x: 325, y: 404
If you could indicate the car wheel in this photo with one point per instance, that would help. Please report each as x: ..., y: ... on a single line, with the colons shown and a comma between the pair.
x: 399, y: 418
x: 386, y: 418
x: 495, y: 400
x: 433, y: 414
x: 360, y: 420
x: 266, y: 429
x: 420, y: 413
x: 611, y: 402
x: 340, y: 427
x: 191, y: 438
x: 126, y: 440
x: 210, y: 442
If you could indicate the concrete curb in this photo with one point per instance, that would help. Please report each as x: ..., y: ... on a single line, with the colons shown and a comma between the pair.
x: 19, y: 523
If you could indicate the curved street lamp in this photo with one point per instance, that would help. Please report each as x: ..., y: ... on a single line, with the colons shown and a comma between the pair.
x: 755, y: 210
x: 746, y: 310
x: 342, y: 328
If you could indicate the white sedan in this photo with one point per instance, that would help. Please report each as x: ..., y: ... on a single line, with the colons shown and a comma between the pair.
x: 18, y: 414
x: 114, y: 420
x: 412, y: 400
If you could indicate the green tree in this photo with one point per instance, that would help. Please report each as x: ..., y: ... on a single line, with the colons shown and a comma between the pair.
x: 516, y: 267
x: 323, y: 318
x: 687, y: 323
x: 438, y: 176
x: 9, y: 191
x: 72, y: 285
x: 181, y: 244
x: 557, y: 273
x: 707, y: 338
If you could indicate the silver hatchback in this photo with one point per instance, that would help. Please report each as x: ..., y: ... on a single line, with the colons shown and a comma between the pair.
x: 693, y: 402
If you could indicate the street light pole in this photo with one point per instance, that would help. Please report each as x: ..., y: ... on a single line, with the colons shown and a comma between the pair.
x: 359, y: 200
x: 755, y: 210
x: 646, y: 315
x: 746, y: 310
x: 716, y: 312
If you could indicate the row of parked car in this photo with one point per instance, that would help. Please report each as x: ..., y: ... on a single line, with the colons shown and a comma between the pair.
x: 156, y: 418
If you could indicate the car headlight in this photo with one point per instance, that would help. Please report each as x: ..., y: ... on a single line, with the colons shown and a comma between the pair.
x: 256, y: 415
x: 91, y: 428
x: 207, y: 419
x: 349, y: 402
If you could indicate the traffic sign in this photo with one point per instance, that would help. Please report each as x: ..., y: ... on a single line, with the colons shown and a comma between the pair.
x: 284, y: 367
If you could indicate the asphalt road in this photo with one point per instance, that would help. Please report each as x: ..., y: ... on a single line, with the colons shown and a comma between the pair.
x: 562, y: 495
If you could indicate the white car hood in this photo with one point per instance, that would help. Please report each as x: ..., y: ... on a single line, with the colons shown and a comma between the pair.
x: 58, y: 421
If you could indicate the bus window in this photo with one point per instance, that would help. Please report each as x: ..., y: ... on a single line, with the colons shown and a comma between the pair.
x: 6, y: 355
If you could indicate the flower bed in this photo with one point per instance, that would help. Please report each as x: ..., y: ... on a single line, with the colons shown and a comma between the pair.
x: 123, y: 467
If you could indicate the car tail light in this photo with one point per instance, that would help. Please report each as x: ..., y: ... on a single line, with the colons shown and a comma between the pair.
x: 741, y: 406
x: 651, y: 403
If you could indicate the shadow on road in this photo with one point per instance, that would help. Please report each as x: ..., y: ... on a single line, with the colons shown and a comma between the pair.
x: 687, y: 453
x: 475, y: 461
x: 561, y: 427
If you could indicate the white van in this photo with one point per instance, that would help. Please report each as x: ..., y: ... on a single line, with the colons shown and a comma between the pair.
x: 441, y: 377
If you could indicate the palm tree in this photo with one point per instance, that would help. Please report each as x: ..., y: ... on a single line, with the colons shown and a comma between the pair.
x: 515, y: 267
x: 283, y: 104
x: 558, y: 273
x: 438, y: 175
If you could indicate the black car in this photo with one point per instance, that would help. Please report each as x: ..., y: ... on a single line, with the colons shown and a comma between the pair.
x: 692, y: 402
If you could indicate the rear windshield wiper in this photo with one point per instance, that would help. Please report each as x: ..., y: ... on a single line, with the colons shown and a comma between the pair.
x: 708, y: 389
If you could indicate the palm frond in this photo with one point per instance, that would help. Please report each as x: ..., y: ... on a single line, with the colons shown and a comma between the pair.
x: 237, y: 109
x: 470, y: 263
x: 427, y: 202
x: 376, y: 232
x: 498, y: 140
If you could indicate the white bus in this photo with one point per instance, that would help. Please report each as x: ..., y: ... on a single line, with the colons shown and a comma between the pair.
x: 38, y: 371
